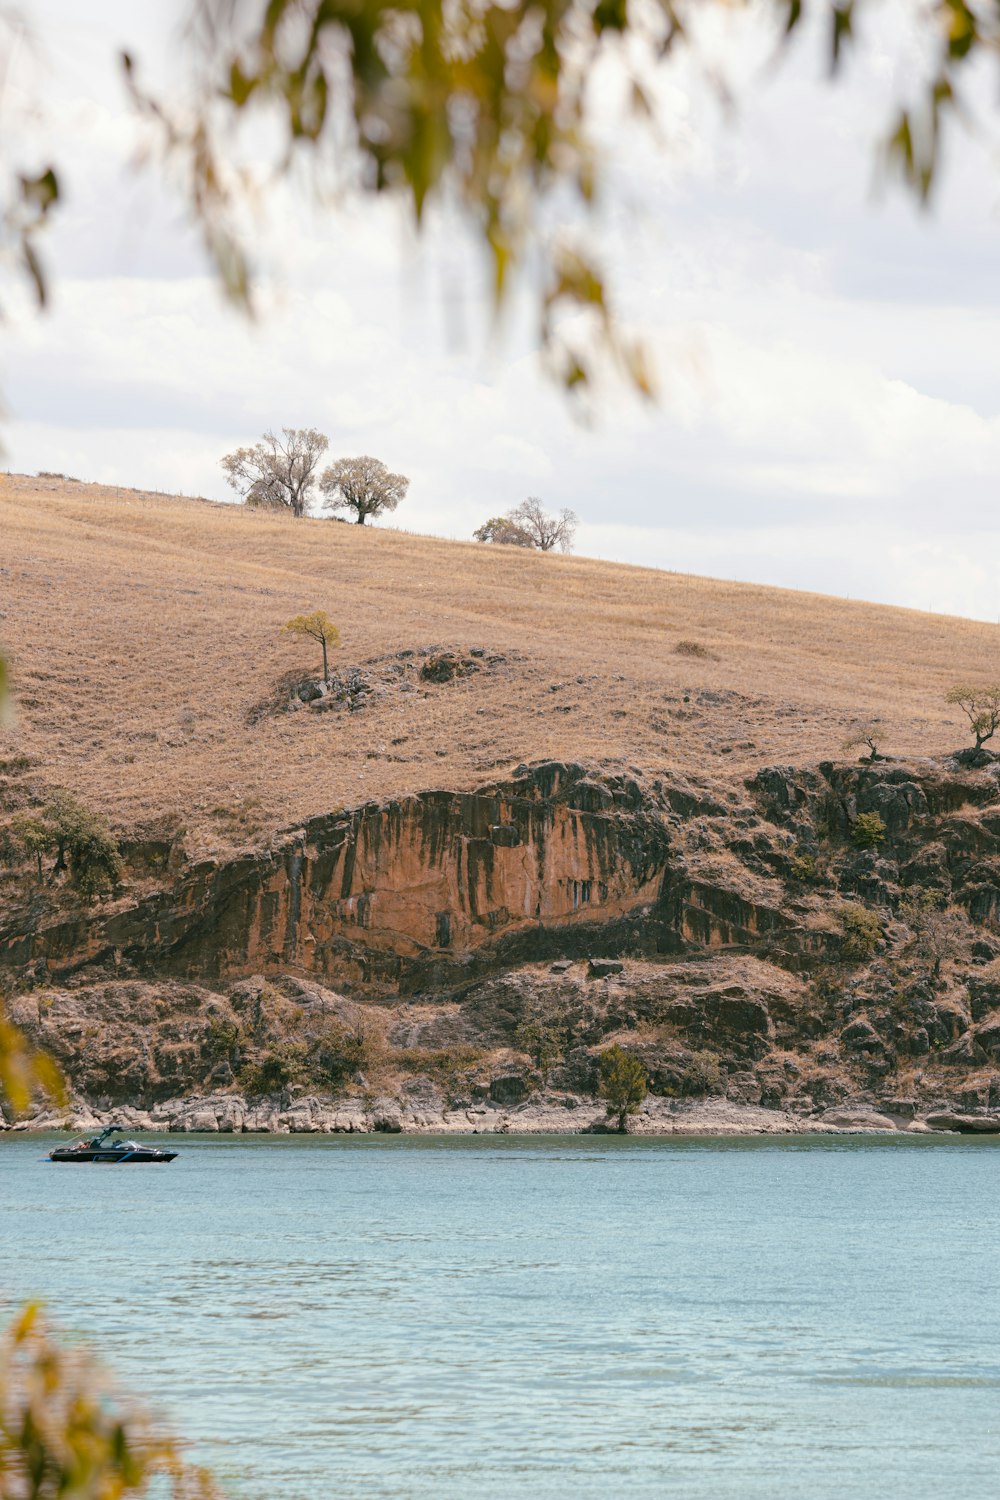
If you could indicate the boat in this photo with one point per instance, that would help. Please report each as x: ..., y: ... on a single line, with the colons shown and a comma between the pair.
x: 100, y: 1149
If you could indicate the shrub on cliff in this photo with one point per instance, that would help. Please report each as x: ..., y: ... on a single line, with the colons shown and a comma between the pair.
x: 336, y: 1053
x: 868, y: 831
x: 981, y: 706
x: 80, y: 839
x: 623, y: 1083
x: 861, y: 929
x: 868, y: 732
x: 703, y: 1075
x: 283, y: 1064
x: 541, y: 1041
x: 939, y: 931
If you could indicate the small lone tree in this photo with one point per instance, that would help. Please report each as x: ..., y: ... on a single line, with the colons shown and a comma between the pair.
x: 363, y: 485
x: 541, y: 1042
x: 545, y: 531
x: 277, y: 473
x: 34, y: 835
x: 623, y: 1083
x: 870, y: 733
x: 981, y: 706
x: 939, y: 930
x: 504, y: 532
x: 318, y: 627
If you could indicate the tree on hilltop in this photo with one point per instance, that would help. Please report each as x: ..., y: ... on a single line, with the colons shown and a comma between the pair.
x: 546, y: 531
x: 363, y: 485
x: 277, y: 473
x: 504, y: 532
x: 318, y: 627
x: 981, y: 706
x: 530, y: 525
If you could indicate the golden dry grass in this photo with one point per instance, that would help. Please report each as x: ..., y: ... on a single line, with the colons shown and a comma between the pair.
x: 143, y: 628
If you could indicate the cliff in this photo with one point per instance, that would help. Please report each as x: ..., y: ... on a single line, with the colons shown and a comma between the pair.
x: 819, y: 943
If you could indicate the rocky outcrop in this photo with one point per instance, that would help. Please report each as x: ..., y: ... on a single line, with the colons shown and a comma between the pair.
x: 398, y: 894
x: 465, y: 957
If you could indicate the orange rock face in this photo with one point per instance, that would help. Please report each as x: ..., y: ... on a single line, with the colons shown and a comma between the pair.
x: 374, y: 896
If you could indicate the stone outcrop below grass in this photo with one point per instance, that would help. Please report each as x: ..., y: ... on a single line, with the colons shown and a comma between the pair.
x: 813, y: 947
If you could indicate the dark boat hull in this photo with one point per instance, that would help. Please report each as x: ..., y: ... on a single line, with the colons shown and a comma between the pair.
x: 144, y: 1156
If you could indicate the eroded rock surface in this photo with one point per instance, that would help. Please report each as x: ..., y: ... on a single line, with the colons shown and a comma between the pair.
x: 460, y: 961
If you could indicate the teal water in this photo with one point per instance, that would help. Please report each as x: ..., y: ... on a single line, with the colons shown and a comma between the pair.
x: 564, y: 1319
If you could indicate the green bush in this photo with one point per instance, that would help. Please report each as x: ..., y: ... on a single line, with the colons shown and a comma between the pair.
x: 541, y: 1041
x: 868, y: 831
x: 284, y: 1064
x: 703, y: 1075
x: 337, y: 1053
x: 862, y: 931
x: 623, y: 1083
x: 805, y: 869
x: 82, y: 842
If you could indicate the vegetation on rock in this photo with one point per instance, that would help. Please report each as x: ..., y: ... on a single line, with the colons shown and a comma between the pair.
x: 862, y: 931
x: 623, y: 1083
x: 871, y: 733
x: 80, y: 839
x: 981, y: 706
x: 868, y: 831
x: 320, y: 628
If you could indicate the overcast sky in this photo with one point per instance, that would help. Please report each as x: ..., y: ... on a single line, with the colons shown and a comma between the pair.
x: 829, y: 414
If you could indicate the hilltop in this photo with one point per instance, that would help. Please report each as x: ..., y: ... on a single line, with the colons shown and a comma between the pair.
x: 153, y: 677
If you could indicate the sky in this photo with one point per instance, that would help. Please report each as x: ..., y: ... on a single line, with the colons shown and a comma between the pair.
x: 828, y: 414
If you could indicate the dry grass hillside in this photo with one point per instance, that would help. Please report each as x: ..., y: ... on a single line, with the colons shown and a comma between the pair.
x: 151, y: 670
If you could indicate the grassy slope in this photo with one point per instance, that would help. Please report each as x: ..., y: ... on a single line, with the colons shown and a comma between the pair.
x: 142, y: 629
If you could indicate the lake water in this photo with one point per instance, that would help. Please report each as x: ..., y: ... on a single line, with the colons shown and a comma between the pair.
x: 560, y: 1319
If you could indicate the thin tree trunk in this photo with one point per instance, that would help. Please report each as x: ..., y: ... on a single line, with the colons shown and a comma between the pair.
x: 326, y: 669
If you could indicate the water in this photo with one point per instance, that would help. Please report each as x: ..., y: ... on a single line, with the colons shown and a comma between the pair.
x: 560, y: 1319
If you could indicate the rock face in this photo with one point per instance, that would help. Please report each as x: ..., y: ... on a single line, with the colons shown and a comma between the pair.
x: 394, y: 894
x: 466, y: 957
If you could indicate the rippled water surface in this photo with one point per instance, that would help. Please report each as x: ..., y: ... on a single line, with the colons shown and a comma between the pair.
x: 563, y: 1319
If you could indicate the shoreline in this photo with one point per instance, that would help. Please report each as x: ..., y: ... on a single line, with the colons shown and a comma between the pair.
x: 233, y: 1115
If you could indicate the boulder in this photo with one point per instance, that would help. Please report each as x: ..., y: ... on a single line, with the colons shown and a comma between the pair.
x: 860, y: 1117
x: 861, y: 1036
x: 509, y: 1088
x: 600, y: 968
x: 965, y: 1124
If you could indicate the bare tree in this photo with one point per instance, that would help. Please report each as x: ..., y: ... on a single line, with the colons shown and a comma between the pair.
x: 363, y: 485
x: 545, y: 531
x: 869, y: 732
x: 277, y: 473
x: 981, y: 706
x: 939, y: 931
